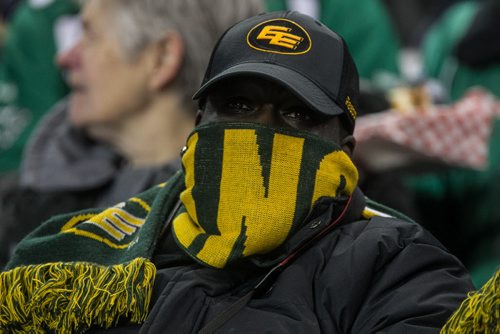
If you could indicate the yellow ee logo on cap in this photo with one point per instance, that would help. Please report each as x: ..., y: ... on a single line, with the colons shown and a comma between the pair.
x: 280, y: 36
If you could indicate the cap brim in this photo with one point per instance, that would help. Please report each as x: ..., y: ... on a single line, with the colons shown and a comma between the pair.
x: 302, y: 87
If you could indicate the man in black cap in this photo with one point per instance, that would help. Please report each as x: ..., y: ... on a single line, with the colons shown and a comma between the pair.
x: 264, y: 229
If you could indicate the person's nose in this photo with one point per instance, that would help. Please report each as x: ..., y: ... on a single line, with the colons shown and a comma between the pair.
x: 71, y: 58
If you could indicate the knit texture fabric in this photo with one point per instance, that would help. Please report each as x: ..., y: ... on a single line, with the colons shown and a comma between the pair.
x: 479, y: 313
x: 87, y: 269
x: 249, y: 186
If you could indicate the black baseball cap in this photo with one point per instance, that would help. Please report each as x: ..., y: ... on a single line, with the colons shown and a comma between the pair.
x: 294, y: 50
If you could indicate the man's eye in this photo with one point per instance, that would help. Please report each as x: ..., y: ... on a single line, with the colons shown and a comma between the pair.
x: 297, y: 115
x: 239, y: 106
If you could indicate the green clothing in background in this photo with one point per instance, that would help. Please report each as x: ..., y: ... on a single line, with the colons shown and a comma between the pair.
x: 439, y: 61
x: 367, y: 29
x: 461, y: 208
x: 30, y: 82
x: 460, y: 205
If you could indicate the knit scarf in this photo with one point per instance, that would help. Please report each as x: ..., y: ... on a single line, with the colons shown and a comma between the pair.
x: 90, y: 268
x: 249, y: 186
x: 245, y: 189
x: 479, y: 312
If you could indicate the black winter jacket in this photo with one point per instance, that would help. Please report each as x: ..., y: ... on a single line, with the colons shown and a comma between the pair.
x: 378, y: 275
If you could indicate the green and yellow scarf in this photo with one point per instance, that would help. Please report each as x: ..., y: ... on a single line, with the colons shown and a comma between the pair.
x: 479, y: 312
x: 248, y: 187
x: 245, y: 189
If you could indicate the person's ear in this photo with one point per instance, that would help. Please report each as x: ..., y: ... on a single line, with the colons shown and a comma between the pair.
x: 167, y: 61
x: 199, y: 115
x: 348, y: 144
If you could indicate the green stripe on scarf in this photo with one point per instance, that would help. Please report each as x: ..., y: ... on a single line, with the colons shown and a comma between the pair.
x: 87, y: 269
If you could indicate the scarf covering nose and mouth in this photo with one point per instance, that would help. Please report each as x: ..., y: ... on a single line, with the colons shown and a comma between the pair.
x: 249, y: 187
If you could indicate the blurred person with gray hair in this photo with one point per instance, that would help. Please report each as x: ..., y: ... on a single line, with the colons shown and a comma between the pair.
x: 121, y: 129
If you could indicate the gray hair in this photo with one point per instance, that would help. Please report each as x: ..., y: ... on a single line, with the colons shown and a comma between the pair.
x: 200, y: 22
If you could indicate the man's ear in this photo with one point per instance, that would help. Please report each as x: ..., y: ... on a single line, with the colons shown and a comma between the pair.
x: 168, y: 59
x: 348, y: 144
x: 199, y: 114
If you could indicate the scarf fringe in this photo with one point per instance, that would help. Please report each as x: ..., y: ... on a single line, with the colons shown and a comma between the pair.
x: 68, y: 297
x: 479, y: 313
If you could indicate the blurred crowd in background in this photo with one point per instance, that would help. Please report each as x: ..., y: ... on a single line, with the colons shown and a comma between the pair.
x: 428, y: 138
